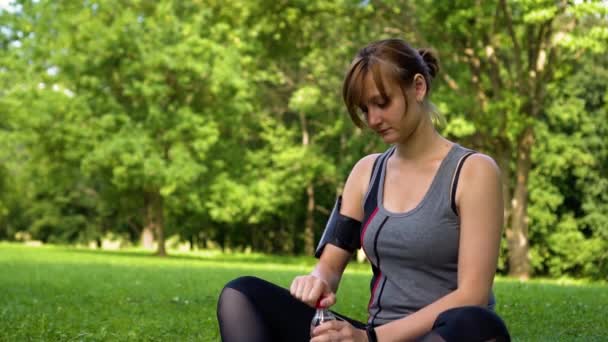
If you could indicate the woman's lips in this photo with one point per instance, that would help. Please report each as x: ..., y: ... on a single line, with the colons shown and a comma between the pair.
x: 384, y: 131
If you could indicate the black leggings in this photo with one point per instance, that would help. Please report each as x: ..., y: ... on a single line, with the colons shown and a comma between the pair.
x: 254, y: 310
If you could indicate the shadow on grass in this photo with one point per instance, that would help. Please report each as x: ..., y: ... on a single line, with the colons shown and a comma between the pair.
x: 220, y: 257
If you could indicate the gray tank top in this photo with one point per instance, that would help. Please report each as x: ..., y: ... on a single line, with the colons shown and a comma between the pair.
x: 414, y: 255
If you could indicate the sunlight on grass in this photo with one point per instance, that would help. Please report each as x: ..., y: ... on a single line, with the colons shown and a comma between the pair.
x: 64, y: 293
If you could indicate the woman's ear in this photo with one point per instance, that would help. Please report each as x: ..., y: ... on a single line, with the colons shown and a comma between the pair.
x: 420, y: 87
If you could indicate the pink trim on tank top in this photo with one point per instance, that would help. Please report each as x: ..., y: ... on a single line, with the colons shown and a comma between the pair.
x: 371, y: 298
x: 371, y: 217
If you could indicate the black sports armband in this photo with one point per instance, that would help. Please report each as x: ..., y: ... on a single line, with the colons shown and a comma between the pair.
x: 340, y: 231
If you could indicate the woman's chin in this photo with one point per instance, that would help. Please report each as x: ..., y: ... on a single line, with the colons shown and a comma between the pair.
x: 389, y: 138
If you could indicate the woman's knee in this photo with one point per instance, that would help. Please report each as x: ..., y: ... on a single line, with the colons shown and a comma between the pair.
x: 235, y: 292
x: 471, y: 323
x: 465, y: 314
x: 245, y: 285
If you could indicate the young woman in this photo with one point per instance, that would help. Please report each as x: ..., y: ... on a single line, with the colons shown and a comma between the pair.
x: 427, y: 212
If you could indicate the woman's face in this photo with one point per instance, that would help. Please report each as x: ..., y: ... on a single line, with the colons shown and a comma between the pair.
x: 390, y: 117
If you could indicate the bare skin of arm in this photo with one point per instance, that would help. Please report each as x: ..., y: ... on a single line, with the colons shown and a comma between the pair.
x: 324, y: 280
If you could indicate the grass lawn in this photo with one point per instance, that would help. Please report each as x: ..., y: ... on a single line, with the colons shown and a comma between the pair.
x: 54, y: 293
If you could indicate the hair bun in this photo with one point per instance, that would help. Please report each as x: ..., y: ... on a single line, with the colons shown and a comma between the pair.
x: 431, y: 60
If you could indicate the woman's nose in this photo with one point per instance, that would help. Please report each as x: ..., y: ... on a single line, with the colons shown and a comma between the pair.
x: 373, y: 117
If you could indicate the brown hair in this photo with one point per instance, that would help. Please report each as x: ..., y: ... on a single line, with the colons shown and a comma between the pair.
x: 394, y: 58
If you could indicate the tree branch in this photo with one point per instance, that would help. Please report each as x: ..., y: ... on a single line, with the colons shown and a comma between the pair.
x: 475, y: 65
x: 494, y: 68
x: 516, y: 47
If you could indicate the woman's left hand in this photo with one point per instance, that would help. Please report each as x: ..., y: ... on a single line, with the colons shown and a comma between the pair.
x: 335, y: 331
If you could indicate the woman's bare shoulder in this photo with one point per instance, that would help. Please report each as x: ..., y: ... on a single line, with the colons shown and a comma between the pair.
x: 479, y: 163
x: 363, y: 168
x: 480, y: 177
x: 356, y: 186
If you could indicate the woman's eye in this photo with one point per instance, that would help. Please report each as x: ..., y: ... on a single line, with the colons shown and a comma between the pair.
x: 383, y: 104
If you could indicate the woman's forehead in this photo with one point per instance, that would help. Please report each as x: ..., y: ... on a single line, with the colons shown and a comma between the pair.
x: 372, y: 90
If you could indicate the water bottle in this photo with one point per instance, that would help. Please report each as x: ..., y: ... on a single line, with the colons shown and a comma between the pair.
x: 321, y: 316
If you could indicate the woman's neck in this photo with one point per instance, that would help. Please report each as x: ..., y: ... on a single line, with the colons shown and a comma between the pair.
x: 423, y: 143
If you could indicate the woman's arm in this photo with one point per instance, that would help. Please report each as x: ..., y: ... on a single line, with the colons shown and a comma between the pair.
x: 325, y: 277
x: 480, y: 207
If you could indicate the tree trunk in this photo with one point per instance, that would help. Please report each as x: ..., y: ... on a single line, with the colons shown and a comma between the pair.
x: 504, y: 160
x: 193, y: 240
x: 309, y: 233
x: 154, y: 219
x: 147, y: 238
x: 503, y: 157
x: 517, y: 235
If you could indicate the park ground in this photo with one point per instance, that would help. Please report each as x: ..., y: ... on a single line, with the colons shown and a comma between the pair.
x: 58, y: 293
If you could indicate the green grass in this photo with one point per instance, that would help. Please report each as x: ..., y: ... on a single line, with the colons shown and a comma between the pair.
x: 55, y: 293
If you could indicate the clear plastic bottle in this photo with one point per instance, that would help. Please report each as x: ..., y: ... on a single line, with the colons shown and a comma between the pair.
x: 321, y: 316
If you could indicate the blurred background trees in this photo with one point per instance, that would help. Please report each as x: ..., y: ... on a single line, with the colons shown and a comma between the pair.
x: 221, y: 123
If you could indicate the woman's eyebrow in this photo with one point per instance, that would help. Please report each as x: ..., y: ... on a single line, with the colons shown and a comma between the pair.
x: 377, y: 98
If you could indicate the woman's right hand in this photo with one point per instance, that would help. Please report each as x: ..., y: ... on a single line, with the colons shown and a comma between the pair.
x: 309, y: 289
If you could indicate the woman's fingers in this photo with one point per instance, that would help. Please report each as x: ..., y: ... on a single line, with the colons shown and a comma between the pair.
x: 309, y: 289
x: 300, y: 288
x: 337, y: 331
x: 330, y: 336
x: 296, y: 287
x: 329, y: 300
x: 316, y: 292
x: 308, y: 286
x: 327, y: 329
x: 294, y: 284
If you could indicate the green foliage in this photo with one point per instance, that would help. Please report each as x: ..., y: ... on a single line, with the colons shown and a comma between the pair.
x: 231, y: 112
x: 569, y: 184
x: 507, y: 67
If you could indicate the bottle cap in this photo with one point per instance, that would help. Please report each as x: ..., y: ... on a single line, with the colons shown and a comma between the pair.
x: 318, y: 305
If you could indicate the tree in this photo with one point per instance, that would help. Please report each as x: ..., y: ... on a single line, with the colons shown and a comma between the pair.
x: 304, y: 149
x: 152, y: 82
x: 513, y: 50
x: 568, y: 182
x: 223, y: 121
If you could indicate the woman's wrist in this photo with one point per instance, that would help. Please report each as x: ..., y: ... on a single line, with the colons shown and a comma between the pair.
x: 371, y: 333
